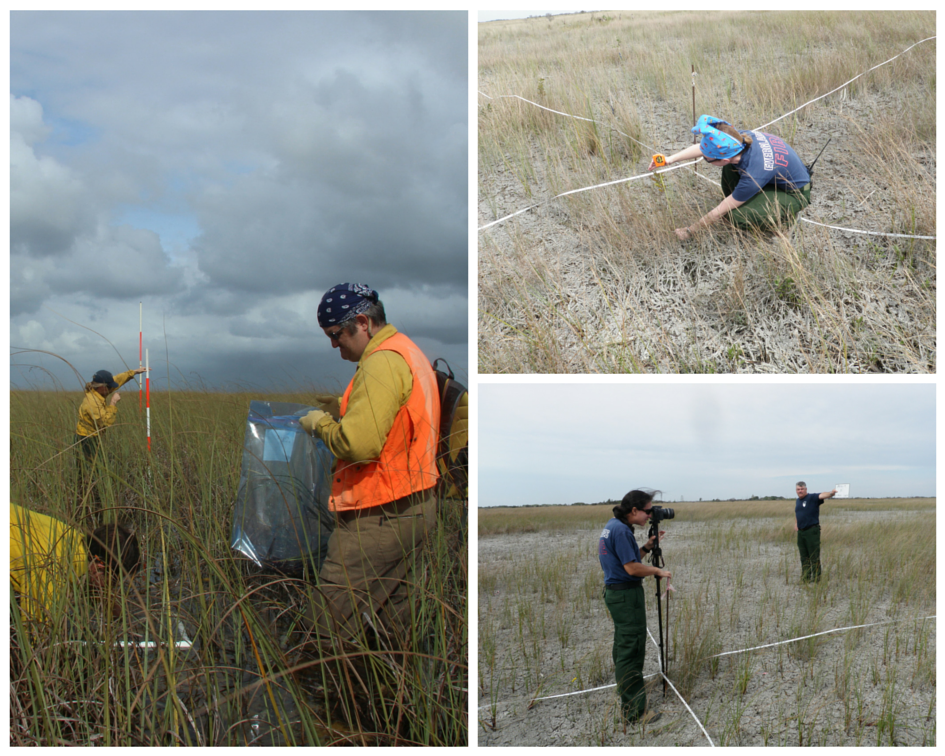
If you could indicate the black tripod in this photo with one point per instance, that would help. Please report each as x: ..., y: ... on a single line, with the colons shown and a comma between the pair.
x: 656, y: 559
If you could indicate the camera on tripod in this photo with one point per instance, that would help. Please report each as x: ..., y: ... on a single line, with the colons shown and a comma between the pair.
x: 660, y: 513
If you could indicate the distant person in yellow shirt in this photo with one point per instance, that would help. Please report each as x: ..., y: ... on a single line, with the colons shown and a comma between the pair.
x: 97, y: 412
x: 385, y: 477
x: 47, y: 556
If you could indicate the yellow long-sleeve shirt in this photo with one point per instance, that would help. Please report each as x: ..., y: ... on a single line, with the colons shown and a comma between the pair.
x: 95, y: 413
x: 382, y: 385
x: 46, y: 556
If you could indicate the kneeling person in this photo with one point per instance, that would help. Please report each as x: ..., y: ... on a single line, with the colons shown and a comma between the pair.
x: 47, y: 556
x: 763, y: 179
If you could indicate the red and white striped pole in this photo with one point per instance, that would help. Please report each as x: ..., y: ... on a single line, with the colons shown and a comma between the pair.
x: 140, y: 343
x: 147, y: 383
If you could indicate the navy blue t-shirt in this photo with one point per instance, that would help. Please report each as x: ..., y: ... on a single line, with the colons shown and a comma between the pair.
x: 807, y: 511
x: 617, y: 547
x: 768, y: 161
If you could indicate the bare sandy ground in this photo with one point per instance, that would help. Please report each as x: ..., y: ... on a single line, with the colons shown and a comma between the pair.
x: 788, y: 700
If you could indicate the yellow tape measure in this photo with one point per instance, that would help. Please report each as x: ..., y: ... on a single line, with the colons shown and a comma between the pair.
x: 660, y: 162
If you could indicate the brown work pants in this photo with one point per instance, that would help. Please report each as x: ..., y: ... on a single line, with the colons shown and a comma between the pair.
x: 366, y: 579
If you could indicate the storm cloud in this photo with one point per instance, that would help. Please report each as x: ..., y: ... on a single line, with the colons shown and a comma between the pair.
x: 226, y: 169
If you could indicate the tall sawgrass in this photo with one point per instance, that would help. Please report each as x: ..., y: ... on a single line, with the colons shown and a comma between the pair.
x: 255, y: 675
x: 598, y: 282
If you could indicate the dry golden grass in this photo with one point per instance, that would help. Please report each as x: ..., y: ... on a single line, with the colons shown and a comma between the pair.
x: 597, y: 281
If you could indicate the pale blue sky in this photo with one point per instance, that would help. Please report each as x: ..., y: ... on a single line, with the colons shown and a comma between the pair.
x: 564, y: 443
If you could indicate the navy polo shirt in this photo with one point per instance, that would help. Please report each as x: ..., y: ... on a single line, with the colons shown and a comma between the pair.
x: 769, y: 161
x: 617, y: 547
x: 807, y: 511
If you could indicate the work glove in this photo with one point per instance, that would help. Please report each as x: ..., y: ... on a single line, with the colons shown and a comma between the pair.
x: 311, y: 419
x: 329, y: 403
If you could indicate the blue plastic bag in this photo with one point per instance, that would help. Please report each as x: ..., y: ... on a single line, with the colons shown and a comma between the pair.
x: 281, y: 519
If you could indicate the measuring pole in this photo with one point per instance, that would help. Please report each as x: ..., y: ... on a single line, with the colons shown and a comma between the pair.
x: 140, y: 343
x: 147, y: 383
x: 696, y: 166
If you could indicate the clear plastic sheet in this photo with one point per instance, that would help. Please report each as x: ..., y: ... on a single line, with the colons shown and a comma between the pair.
x: 281, y: 519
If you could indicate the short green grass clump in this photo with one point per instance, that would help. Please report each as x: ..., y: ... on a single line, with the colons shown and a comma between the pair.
x: 254, y: 675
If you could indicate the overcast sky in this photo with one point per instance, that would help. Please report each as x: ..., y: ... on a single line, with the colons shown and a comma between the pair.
x: 226, y: 169
x: 565, y: 443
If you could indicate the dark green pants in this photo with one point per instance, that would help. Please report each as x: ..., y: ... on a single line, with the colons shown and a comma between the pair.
x: 766, y: 210
x: 628, y: 610
x: 808, y: 543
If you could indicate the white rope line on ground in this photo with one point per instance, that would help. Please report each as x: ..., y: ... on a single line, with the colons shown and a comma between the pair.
x: 871, y: 233
x: 849, y: 82
x: 569, y: 115
x: 678, y: 694
x: 586, y: 189
x: 686, y: 165
x: 839, y: 228
x: 825, y: 632
x: 728, y: 653
x: 560, y: 695
x: 634, y: 178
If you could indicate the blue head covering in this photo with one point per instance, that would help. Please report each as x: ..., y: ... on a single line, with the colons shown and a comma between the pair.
x: 715, y: 144
x: 343, y: 302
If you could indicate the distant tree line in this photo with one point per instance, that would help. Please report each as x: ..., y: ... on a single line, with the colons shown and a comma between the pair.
x: 615, y: 502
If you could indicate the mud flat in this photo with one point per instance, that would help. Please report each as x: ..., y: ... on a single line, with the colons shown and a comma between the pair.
x: 544, y: 630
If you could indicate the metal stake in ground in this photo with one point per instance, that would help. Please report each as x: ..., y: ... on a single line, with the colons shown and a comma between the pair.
x: 140, y: 343
x: 147, y: 383
x: 656, y: 559
x: 696, y: 168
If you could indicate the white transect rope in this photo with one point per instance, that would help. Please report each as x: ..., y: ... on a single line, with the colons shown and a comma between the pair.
x: 871, y: 233
x: 586, y: 189
x: 560, y: 695
x: 729, y: 653
x: 840, y: 228
x: 849, y: 82
x: 678, y: 694
x: 825, y: 632
x: 568, y: 115
x: 634, y: 178
x: 673, y: 168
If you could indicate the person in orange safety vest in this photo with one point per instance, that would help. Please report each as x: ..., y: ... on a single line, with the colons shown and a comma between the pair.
x: 384, y: 439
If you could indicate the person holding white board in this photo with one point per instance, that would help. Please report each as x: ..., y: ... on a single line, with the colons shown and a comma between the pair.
x: 807, y: 524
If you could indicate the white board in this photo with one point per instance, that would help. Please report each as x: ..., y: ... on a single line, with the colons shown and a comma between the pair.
x: 843, y: 491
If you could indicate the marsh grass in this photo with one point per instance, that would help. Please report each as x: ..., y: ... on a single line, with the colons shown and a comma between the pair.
x: 737, y: 578
x: 597, y: 281
x: 254, y: 675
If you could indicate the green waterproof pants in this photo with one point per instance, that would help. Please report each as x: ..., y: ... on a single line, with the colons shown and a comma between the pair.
x: 766, y: 210
x: 628, y: 610
x: 808, y: 543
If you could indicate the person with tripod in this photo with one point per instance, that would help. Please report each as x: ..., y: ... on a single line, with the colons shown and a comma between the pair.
x: 621, y: 559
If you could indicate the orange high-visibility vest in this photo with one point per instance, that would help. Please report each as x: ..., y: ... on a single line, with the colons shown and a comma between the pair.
x: 408, y: 460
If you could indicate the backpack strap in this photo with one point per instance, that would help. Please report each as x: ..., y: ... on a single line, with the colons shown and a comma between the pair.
x: 451, y: 392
